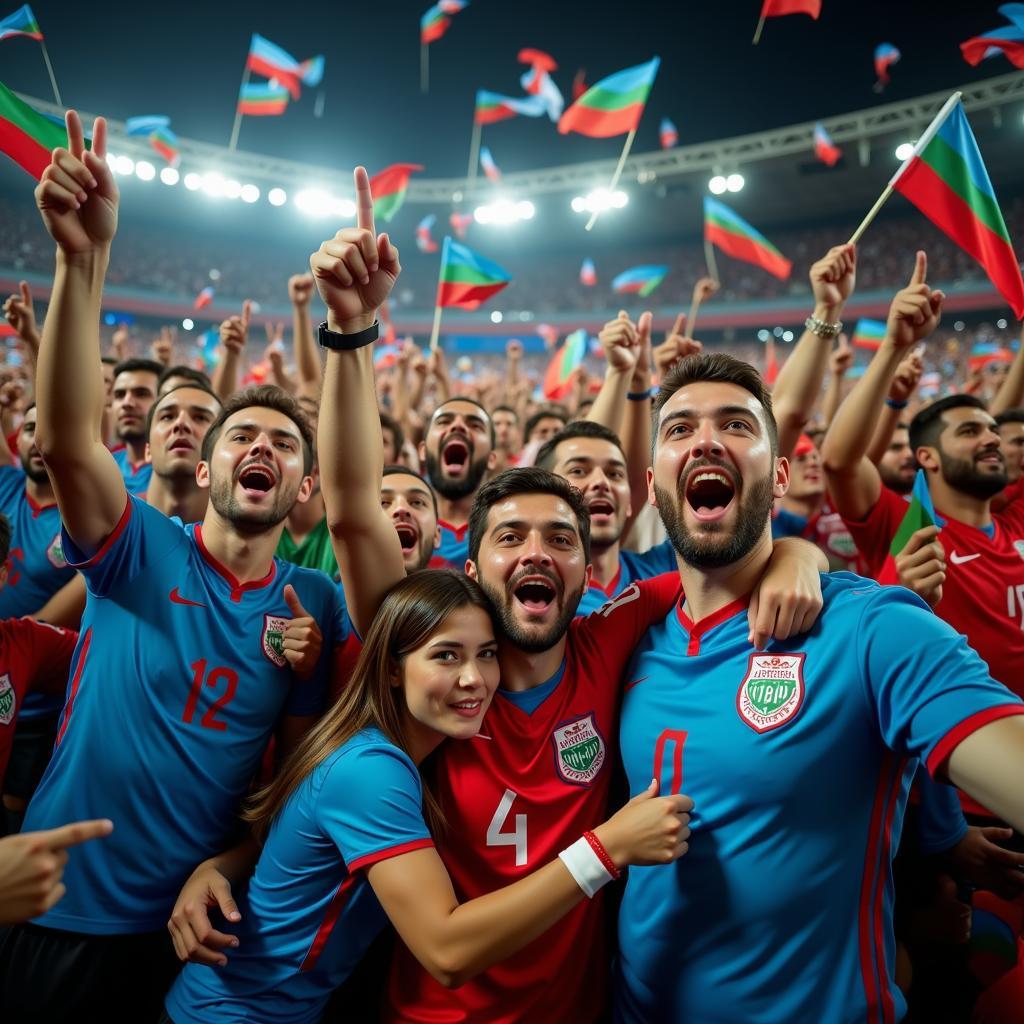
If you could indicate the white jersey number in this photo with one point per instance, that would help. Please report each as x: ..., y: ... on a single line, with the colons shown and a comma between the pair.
x: 1015, y: 602
x: 517, y: 838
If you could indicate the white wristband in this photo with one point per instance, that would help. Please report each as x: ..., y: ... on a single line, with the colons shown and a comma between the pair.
x: 585, y: 867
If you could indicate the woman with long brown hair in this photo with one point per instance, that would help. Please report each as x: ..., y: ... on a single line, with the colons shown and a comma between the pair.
x: 346, y: 839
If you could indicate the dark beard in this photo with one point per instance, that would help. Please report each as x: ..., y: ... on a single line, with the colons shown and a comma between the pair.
x: 228, y: 507
x: 453, y: 490
x: 515, y: 634
x: 130, y: 433
x: 962, y: 475
x: 713, y: 549
x: 37, y: 476
x: 895, y: 481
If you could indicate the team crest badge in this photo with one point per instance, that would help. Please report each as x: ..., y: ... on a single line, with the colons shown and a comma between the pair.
x: 55, y: 553
x: 273, y: 639
x: 7, y: 701
x: 772, y: 691
x: 580, y: 751
x: 1018, y: 546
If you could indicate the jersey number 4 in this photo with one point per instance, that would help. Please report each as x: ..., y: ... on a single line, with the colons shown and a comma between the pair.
x: 516, y: 838
x: 219, y: 675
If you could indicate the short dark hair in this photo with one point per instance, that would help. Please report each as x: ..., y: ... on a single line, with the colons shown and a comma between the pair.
x: 406, y: 471
x: 505, y: 408
x: 196, y: 386
x: 472, y: 401
x: 137, y: 365
x: 577, y: 428
x: 926, y: 426
x: 389, y: 421
x: 543, y: 414
x: 528, y: 480
x: 263, y: 396
x: 715, y: 368
x: 1010, y: 416
x: 5, y: 537
x: 188, y: 372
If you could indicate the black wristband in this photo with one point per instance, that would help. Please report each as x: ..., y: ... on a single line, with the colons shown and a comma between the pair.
x: 638, y: 396
x: 348, y: 342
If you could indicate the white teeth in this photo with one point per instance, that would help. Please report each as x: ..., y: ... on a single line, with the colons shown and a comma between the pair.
x: 710, y: 476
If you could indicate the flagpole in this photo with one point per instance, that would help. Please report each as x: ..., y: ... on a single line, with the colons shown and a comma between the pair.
x: 709, y: 258
x: 615, y: 177
x: 757, y: 32
x: 424, y: 67
x: 238, y: 112
x: 474, y: 154
x: 691, y: 319
x: 49, y: 71
x: 919, y: 146
x: 436, y: 329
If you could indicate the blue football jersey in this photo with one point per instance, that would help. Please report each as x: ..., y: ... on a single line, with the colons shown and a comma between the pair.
x: 136, y: 475
x: 453, y: 550
x: 309, y: 913
x: 176, y: 685
x: 633, y: 566
x: 798, y: 760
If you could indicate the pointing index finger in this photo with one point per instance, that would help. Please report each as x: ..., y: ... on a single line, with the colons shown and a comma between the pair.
x: 364, y: 200
x: 920, y: 268
x: 77, y: 832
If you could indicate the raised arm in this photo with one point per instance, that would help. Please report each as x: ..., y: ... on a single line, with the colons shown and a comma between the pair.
x: 1011, y: 392
x: 853, y: 480
x: 307, y: 358
x: 20, y: 314
x: 620, y: 340
x: 902, y: 389
x: 233, y: 334
x: 78, y: 201
x: 839, y: 363
x: 354, y: 273
x: 798, y: 387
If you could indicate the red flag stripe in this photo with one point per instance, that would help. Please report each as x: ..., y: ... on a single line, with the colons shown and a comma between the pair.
x: 600, y: 124
x: 468, y: 296
x: 743, y: 248
x: 23, y: 149
x: 777, y: 8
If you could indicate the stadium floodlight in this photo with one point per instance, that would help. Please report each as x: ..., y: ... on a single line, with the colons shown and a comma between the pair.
x: 232, y: 188
x: 1001, y: 324
x: 250, y: 193
x: 718, y: 184
x: 504, y: 212
x: 277, y: 197
x: 777, y: 332
x: 787, y: 335
x: 619, y: 199
x: 496, y: 317
x: 482, y: 214
x: 123, y: 165
x: 313, y: 201
x: 735, y: 182
x: 111, y: 161
x: 600, y: 200
x: 169, y: 175
x: 763, y: 335
x: 904, y: 150
x: 145, y: 171
x: 525, y: 209
x: 193, y: 182
x: 213, y: 184
x: 959, y: 325
x: 344, y: 208
x: 188, y: 323
x: 579, y: 204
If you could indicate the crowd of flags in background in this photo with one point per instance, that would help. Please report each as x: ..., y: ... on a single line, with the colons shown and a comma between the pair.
x: 156, y: 128
x: 284, y: 78
x: 1007, y: 40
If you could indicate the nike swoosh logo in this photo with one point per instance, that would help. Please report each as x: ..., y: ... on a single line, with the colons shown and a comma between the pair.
x: 960, y: 559
x: 635, y: 682
x: 176, y: 598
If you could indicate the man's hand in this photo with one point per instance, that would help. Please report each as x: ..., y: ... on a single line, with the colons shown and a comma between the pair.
x: 194, y: 937
x: 619, y: 339
x: 300, y: 289
x: 907, y: 376
x: 832, y: 280
x: 31, y: 866
x: 234, y: 331
x: 119, y: 343
x: 916, y: 310
x: 675, y: 347
x: 162, y: 348
x: 303, y: 640
x: 514, y: 350
x: 987, y: 864
x: 841, y: 359
x: 921, y: 565
x: 21, y: 316
x: 704, y: 289
x: 787, y: 600
x: 356, y: 269
x: 76, y: 195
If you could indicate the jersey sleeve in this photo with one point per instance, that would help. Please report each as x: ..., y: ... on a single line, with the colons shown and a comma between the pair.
x: 658, y: 560
x: 940, y: 820
x: 49, y: 650
x: 928, y: 694
x: 788, y: 524
x: 142, y: 537
x: 371, y: 806
x: 874, y: 533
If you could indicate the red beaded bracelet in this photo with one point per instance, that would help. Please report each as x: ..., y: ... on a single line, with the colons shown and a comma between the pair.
x: 598, y: 847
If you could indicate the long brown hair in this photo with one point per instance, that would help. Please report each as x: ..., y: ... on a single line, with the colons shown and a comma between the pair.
x: 409, y: 616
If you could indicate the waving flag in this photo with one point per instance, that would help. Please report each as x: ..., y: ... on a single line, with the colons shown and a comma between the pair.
x: 985, y: 353
x: 540, y: 63
x: 460, y: 224
x: 771, y: 362
x: 489, y: 166
x: 920, y: 513
x: 548, y: 334
x: 156, y: 128
x: 885, y: 56
x: 467, y: 279
x: 492, y: 107
x: 558, y: 376
x: 165, y: 143
x: 779, y: 8
x: 27, y: 136
x: 588, y: 273
x: 668, y: 135
x: 614, y: 105
x: 423, y: 240
x: 1009, y: 41
x: 946, y: 179
x: 204, y: 298
x: 868, y: 334
x: 262, y: 99
x: 639, y: 280
x: 268, y: 59
x: 433, y: 25
x: 824, y: 149
x: 146, y: 124
x: 733, y: 235
x: 388, y: 188
x: 21, y: 23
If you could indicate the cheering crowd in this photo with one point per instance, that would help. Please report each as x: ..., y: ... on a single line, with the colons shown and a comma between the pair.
x: 287, y: 662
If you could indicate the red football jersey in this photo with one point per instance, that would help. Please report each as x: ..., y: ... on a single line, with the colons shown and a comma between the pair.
x: 517, y: 795
x: 33, y: 656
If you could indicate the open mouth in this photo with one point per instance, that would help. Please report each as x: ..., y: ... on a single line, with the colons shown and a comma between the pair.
x: 990, y: 459
x: 467, y: 708
x: 180, y: 446
x: 601, y: 507
x: 535, y: 593
x: 406, y: 536
x: 709, y: 492
x: 455, y: 454
x: 256, y: 478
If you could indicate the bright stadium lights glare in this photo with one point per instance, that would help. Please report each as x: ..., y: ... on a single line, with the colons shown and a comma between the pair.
x: 111, y: 161
x: 579, y: 204
x: 145, y: 171
x: 496, y: 317
x: 315, y: 202
x: 619, y: 199
x: 124, y: 165
x: 777, y: 332
x: 787, y: 335
x: 188, y: 323
x: 232, y: 188
x: 525, y: 209
x: 214, y: 184
x: 904, y: 150
x: 504, y: 212
x: 250, y: 193
x: 735, y: 182
x: 763, y: 335
x: 193, y: 182
x: 169, y: 175
x: 718, y: 184
x: 600, y: 200
x: 344, y: 208
x: 1001, y: 324
x: 277, y: 197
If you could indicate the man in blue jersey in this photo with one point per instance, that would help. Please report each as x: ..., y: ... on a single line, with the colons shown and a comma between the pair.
x: 196, y: 643
x: 132, y: 396
x: 590, y: 457
x: 798, y: 758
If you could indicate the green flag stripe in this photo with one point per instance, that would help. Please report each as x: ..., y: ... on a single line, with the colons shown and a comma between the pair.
x: 460, y: 273
x: 386, y: 206
x: 605, y: 99
x: 46, y: 132
x: 739, y: 229
x: 949, y: 165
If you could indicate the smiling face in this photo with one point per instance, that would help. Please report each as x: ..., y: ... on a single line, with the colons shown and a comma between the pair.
x: 180, y: 422
x: 256, y: 469
x: 458, y: 449
x: 31, y: 460
x: 449, y: 681
x: 533, y: 568
x: 133, y: 394
x: 409, y: 503
x: 715, y: 474
x: 969, y: 453
x: 1011, y: 437
x: 597, y: 469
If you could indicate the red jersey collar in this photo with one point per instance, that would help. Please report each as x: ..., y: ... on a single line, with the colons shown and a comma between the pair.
x: 613, y: 583
x: 697, y: 630
x: 35, y: 506
x: 237, y: 588
x: 459, y: 531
